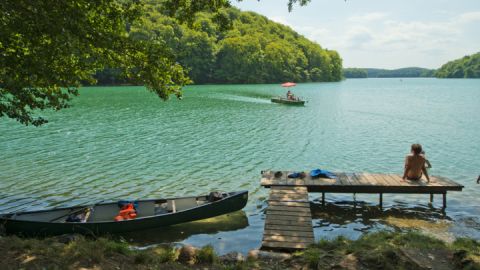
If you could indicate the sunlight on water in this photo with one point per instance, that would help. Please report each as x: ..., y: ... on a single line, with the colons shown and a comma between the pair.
x: 123, y: 142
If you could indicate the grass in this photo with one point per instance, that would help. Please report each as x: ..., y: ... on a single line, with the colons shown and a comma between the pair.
x: 206, y: 255
x: 386, y: 250
x: 381, y: 250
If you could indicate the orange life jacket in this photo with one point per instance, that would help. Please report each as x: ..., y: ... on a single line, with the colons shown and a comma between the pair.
x: 126, y: 212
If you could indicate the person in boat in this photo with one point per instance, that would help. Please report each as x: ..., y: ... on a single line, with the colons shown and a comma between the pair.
x: 289, y: 94
x: 415, y: 164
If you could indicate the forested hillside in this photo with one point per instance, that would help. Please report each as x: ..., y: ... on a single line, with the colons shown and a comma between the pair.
x: 409, y: 72
x: 234, y: 47
x: 466, y: 67
x: 355, y: 73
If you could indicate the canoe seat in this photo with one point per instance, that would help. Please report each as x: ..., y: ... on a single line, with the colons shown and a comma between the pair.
x: 146, y: 209
x: 185, y: 203
x: 106, y: 212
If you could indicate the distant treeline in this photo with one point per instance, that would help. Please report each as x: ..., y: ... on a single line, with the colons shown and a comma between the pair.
x: 466, y: 67
x: 234, y: 47
x: 409, y: 72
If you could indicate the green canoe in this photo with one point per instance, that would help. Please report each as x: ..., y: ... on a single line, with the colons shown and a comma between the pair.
x: 282, y: 100
x: 150, y: 214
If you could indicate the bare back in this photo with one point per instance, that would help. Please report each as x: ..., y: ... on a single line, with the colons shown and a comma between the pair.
x: 414, y: 165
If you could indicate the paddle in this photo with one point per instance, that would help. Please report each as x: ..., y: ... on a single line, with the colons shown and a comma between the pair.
x: 77, y: 211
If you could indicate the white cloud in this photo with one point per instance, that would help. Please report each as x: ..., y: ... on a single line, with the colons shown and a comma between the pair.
x: 469, y: 17
x: 413, y: 42
x: 369, y: 17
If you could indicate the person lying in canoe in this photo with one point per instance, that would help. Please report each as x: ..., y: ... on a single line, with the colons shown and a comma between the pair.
x: 415, y: 164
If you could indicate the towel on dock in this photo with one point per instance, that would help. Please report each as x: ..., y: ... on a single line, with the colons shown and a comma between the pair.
x: 322, y: 173
x: 296, y: 175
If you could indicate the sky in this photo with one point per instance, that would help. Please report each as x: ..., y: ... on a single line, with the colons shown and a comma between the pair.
x: 383, y: 33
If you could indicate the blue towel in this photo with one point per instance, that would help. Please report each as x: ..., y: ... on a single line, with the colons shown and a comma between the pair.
x: 294, y: 175
x: 322, y: 173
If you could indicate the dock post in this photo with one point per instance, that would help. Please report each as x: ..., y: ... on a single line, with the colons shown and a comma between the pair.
x: 444, y: 200
x: 431, y: 197
x: 354, y: 200
x: 381, y: 200
x: 323, y: 198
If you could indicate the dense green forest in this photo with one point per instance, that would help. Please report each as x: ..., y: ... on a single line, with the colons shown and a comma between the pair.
x: 355, y: 73
x: 232, y: 46
x: 409, y: 72
x: 465, y: 67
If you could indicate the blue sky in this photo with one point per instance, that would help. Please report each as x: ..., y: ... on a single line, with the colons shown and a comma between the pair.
x: 383, y: 33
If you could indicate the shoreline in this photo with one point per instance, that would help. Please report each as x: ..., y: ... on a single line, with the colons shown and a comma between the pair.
x: 379, y: 250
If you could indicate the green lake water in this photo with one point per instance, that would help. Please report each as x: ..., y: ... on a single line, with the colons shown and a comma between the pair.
x: 123, y: 142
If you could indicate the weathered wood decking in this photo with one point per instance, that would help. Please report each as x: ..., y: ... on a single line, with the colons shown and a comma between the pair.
x: 288, y: 224
x: 363, y: 183
x: 289, y: 221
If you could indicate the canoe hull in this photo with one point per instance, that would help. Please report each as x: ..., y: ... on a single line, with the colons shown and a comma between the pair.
x: 236, y: 201
x: 288, y: 102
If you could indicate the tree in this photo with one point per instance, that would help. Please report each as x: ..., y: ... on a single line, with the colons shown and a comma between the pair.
x: 355, y: 73
x: 465, y: 67
x: 240, y: 60
x: 48, y: 47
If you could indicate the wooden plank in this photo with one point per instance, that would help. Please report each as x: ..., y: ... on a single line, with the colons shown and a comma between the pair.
x: 289, y: 209
x: 343, y: 178
x: 291, y: 198
x: 372, y: 180
x: 291, y: 204
x: 271, y: 212
x: 379, y: 179
x: 309, y: 181
x: 288, y: 223
x: 308, y: 234
x: 394, y: 180
x: 286, y: 188
x: 383, y: 178
x: 399, y: 179
x: 303, y: 191
x: 361, y: 179
x: 284, y: 245
x: 299, y: 182
x: 444, y: 181
x: 298, y: 219
x: 293, y: 193
x: 269, y: 226
x: 287, y: 238
x: 352, y: 179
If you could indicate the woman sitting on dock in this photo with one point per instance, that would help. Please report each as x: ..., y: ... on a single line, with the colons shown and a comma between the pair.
x: 415, y: 164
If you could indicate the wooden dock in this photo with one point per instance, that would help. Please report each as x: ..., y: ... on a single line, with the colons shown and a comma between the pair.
x: 288, y: 223
x: 364, y: 183
x: 289, y: 220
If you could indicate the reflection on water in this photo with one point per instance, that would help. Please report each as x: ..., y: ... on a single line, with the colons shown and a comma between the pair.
x: 353, y: 218
x: 177, y: 233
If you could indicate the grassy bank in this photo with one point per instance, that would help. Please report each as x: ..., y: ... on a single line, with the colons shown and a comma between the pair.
x: 382, y: 250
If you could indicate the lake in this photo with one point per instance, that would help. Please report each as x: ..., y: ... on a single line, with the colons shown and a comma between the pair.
x: 124, y: 142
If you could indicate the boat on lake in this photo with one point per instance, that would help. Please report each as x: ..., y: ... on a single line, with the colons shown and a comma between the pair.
x: 287, y: 101
x: 100, y: 218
